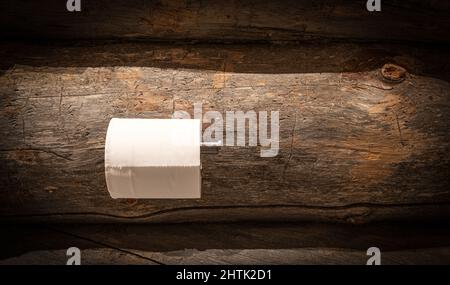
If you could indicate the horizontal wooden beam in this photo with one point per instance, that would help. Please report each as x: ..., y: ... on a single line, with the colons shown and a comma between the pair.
x: 354, y: 148
x: 229, y: 243
x: 225, y: 21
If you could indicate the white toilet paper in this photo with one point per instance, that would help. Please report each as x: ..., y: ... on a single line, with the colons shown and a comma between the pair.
x: 153, y: 158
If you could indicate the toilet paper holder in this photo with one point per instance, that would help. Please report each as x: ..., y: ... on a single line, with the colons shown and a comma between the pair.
x: 210, y: 147
x: 155, y: 158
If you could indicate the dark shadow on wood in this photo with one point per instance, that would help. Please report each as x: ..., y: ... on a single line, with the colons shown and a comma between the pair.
x: 16, y: 240
x: 311, y: 57
x: 227, y: 21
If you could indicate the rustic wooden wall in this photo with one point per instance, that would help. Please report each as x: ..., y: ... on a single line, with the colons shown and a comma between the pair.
x: 226, y: 243
x: 354, y: 148
x: 217, y: 20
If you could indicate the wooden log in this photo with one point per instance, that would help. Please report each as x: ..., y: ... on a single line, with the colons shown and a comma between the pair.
x: 304, y: 256
x: 353, y: 148
x: 215, y: 20
x: 228, y: 243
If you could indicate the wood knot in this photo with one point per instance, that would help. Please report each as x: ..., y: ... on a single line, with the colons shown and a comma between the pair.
x: 393, y: 73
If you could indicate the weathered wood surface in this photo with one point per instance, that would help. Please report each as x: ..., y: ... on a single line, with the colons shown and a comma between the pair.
x: 353, y: 148
x: 240, y: 243
x: 216, y: 20
x: 294, y: 256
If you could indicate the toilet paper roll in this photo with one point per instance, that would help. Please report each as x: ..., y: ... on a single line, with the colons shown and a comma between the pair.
x: 153, y: 158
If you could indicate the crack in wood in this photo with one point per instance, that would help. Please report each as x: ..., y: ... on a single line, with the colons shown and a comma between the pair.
x: 225, y: 207
x: 188, y: 89
x: 104, y: 245
x: 41, y: 150
x: 290, y: 148
x: 399, y: 131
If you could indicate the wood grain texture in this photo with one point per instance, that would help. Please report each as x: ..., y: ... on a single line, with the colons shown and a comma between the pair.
x: 294, y: 256
x: 215, y: 20
x: 353, y: 148
x: 229, y: 243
